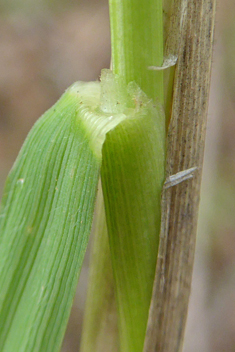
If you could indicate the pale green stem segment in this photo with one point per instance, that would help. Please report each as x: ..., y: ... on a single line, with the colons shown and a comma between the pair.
x: 100, y: 329
x: 46, y: 218
x: 137, y: 43
x: 132, y: 176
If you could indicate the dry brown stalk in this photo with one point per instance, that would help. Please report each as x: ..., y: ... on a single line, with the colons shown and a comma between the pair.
x: 186, y: 140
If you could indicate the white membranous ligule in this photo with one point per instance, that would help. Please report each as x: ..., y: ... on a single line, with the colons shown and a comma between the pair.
x: 103, y: 105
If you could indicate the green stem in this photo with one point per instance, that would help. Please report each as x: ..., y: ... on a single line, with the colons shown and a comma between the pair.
x: 137, y: 43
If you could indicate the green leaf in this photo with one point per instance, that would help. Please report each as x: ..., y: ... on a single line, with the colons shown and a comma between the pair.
x: 137, y: 43
x: 48, y: 206
x: 46, y: 219
x: 132, y: 175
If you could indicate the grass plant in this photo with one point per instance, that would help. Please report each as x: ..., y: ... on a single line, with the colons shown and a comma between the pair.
x: 115, y: 130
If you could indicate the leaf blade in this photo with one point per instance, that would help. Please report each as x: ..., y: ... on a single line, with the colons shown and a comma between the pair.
x: 46, y: 219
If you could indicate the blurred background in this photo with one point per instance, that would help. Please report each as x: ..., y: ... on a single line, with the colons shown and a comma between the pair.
x: 45, y: 46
